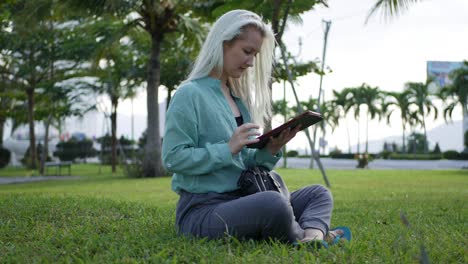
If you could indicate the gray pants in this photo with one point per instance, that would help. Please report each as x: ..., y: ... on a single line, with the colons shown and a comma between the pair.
x: 259, y: 216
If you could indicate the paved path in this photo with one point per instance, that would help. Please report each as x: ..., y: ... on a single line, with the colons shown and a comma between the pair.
x: 380, y: 164
x: 303, y: 163
x: 12, y: 180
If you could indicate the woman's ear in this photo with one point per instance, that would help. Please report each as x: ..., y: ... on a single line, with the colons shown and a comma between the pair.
x: 226, y: 44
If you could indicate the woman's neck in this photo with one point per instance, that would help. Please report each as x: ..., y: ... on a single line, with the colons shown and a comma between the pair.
x: 223, y: 79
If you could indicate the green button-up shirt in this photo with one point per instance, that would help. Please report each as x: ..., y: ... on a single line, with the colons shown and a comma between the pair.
x: 199, y: 125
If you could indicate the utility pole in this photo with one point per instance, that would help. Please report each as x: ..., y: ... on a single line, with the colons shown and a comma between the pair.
x: 327, y: 24
x: 300, y: 110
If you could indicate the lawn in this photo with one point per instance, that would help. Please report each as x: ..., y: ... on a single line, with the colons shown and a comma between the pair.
x: 105, y: 218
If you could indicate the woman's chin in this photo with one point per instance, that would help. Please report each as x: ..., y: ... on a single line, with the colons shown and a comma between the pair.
x: 237, y: 74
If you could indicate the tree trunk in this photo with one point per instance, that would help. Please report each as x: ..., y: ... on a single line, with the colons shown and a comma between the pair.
x: 285, y: 151
x: 45, y: 148
x: 359, y: 137
x: 278, y: 31
x: 169, y: 97
x: 425, y: 135
x: 152, y: 165
x: 404, y: 139
x: 367, y: 133
x: 314, y: 155
x: 349, y: 137
x: 32, y: 136
x: 2, y: 127
x: 113, y: 117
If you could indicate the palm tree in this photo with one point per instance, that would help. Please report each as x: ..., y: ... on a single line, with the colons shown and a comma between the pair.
x: 330, y: 116
x: 340, y: 103
x: 402, y: 102
x: 355, y: 100
x: 371, y: 97
x: 457, y: 92
x: 329, y: 113
x: 422, y: 99
x: 118, y: 74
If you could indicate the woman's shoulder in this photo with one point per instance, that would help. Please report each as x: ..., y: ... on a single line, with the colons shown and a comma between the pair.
x: 189, y: 88
x: 188, y: 94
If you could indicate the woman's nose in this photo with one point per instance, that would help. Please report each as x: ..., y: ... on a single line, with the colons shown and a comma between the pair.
x: 250, y: 61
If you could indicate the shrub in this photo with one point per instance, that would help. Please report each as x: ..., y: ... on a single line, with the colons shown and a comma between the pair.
x: 73, y: 149
x: 342, y: 155
x: 292, y: 153
x: 135, y: 168
x: 26, y: 160
x: 463, y: 156
x: 385, y: 154
x: 5, y: 156
x: 126, y: 145
x: 436, y: 149
x: 400, y: 156
x: 334, y: 151
x: 454, y: 155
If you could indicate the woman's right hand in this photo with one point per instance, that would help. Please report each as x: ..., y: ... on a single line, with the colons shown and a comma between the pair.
x: 241, y: 136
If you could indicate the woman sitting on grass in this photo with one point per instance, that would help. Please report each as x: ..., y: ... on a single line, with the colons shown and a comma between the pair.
x: 213, y: 115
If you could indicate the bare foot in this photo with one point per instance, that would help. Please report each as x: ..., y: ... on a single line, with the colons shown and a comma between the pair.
x: 312, y: 234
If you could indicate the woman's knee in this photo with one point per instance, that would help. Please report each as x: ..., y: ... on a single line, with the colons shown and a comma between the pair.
x: 321, y: 191
x: 274, y: 205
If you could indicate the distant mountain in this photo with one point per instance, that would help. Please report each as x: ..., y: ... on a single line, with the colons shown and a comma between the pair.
x: 449, y: 136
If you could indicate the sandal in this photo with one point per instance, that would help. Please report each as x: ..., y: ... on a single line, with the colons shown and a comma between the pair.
x: 318, y: 244
x: 346, y: 235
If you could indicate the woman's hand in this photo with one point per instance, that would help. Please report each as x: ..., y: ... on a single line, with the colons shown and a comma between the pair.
x: 241, y: 135
x: 275, y: 144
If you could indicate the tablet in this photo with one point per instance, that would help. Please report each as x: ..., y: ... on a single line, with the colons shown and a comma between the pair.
x: 305, y: 119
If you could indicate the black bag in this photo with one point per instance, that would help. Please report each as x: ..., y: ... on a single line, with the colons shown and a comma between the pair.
x: 260, y: 179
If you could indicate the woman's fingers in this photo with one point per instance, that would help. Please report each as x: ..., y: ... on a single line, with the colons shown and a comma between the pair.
x: 248, y: 126
x: 242, y: 136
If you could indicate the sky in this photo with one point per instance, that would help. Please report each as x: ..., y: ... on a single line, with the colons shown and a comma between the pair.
x: 380, y: 53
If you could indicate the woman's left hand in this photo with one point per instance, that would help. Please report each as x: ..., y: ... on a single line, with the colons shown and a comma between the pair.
x: 276, y: 143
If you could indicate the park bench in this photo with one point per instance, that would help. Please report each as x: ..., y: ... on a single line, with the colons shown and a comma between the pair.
x: 58, y: 166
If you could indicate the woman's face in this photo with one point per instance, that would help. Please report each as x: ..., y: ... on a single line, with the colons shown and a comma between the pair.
x: 240, y: 53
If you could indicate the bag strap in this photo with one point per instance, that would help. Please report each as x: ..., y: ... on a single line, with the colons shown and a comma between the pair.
x: 283, y: 189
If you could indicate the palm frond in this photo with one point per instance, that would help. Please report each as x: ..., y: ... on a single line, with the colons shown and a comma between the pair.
x: 390, y: 8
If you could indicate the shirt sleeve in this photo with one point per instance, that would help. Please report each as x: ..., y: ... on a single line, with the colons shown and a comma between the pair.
x: 181, y: 153
x: 262, y: 157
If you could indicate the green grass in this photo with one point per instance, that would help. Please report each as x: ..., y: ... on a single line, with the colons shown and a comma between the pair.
x: 108, y: 218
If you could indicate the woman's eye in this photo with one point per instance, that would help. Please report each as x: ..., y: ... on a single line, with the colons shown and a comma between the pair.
x: 248, y: 52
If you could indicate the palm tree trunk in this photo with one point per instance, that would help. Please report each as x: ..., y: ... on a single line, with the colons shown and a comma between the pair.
x: 349, y: 137
x: 367, y: 133
x: 358, y: 136
x: 404, y: 138
x: 152, y: 165
x: 425, y: 135
x: 32, y: 136
x: 113, y: 117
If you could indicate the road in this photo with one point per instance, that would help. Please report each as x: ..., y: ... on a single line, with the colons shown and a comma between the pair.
x: 380, y: 164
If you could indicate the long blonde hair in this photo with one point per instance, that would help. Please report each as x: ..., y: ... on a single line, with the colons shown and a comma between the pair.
x: 253, y: 86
